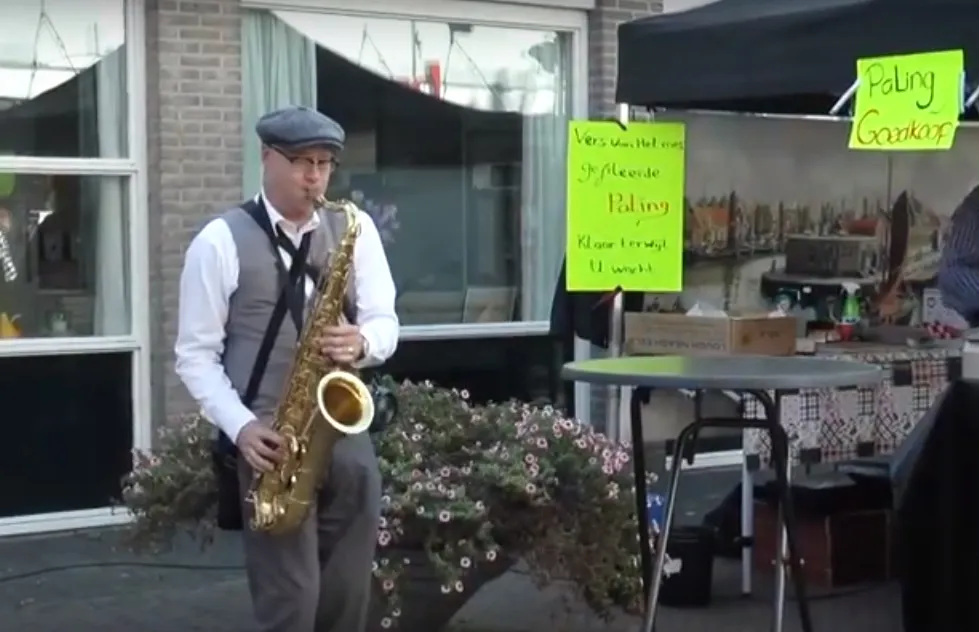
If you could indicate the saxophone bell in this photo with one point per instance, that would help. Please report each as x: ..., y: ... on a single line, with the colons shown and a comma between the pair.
x: 345, y: 402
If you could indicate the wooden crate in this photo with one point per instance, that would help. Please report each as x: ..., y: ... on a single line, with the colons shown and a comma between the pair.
x: 838, y: 550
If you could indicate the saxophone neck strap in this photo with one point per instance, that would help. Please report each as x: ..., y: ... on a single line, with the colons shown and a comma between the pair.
x: 292, y: 281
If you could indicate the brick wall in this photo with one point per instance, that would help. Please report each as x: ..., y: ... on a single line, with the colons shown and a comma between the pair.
x: 194, y: 128
x: 194, y: 114
x: 602, y: 48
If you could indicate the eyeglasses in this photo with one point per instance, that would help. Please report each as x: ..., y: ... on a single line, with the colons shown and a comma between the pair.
x: 305, y: 164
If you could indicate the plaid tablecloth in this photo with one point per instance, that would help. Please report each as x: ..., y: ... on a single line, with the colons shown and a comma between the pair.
x: 828, y: 425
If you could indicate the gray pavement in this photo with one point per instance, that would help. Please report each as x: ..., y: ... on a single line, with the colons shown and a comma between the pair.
x: 189, y: 590
x: 83, y: 582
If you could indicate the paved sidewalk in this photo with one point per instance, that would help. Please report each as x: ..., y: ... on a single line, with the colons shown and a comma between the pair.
x: 189, y: 590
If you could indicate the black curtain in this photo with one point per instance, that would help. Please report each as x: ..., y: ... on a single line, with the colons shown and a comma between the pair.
x: 937, y: 515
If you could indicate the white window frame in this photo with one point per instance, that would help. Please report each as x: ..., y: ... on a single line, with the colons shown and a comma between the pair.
x: 485, y: 13
x: 137, y: 342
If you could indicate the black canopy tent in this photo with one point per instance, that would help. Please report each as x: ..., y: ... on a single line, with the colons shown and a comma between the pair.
x: 779, y: 56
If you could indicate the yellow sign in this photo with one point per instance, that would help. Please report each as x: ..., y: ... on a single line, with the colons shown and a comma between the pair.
x: 908, y: 102
x: 625, y: 206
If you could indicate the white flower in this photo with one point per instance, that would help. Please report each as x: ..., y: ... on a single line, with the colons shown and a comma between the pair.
x: 465, y: 562
x: 490, y: 555
x: 386, y: 622
x: 459, y: 587
x: 446, y: 589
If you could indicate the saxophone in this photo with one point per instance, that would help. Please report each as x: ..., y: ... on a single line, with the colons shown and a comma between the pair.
x: 322, y: 403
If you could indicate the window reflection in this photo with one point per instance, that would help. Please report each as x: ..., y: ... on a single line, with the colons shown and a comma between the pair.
x: 455, y: 146
x: 62, y: 78
x: 63, y: 264
x: 481, y: 67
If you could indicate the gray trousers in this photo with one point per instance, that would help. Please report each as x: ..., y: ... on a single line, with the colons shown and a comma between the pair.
x: 318, y: 579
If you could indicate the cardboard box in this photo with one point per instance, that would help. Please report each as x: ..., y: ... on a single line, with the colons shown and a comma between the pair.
x: 839, y: 550
x: 677, y: 334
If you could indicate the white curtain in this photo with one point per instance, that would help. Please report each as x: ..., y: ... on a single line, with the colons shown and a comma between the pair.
x: 111, y: 316
x: 278, y: 69
x: 104, y: 207
x: 542, y: 222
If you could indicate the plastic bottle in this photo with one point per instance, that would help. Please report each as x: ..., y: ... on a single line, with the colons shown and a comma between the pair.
x: 850, y: 312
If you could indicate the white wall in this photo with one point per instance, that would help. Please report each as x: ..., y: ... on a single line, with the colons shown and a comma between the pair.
x: 674, y: 6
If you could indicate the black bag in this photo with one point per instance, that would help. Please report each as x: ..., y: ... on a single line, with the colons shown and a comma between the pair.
x: 224, y: 453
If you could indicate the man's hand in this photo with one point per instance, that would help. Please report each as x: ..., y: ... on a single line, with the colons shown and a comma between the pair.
x: 260, y: 445
x: 343, y: 344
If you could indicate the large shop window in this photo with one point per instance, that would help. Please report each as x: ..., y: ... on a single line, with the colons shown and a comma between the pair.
x: 456, y: 136
x: 66, y: 198
x: 63, y: 238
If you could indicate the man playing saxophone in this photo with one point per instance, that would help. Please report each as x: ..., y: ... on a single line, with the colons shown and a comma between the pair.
x: 239, y: 269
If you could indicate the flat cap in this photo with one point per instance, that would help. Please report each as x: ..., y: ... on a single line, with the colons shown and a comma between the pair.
x: 300, y: 127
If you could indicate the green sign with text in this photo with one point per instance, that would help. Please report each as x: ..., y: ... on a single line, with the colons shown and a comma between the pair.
x: 625, y: 206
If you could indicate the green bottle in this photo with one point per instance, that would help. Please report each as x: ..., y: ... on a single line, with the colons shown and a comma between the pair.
x: 850, y: 314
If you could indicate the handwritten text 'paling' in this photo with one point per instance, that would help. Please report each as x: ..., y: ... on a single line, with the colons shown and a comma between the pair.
x: 635, y: 206
x: 888, y: 78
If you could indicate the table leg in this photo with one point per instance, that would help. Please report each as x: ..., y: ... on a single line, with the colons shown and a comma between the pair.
x: 747, y: 527
x: 787, y: 543
x: 639, y: 471
x: 656, y: 578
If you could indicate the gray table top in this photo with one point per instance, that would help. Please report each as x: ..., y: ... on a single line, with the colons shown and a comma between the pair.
x: 735, y: 373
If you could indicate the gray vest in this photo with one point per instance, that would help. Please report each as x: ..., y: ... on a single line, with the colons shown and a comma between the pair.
x: 252, y: 303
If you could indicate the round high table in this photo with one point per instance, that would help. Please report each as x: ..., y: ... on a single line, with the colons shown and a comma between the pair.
x: 761, y: 377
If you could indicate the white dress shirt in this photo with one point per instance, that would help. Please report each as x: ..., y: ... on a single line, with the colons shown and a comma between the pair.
x: 210, y: 277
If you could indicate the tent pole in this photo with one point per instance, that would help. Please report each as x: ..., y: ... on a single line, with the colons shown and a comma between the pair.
x: 613, y: 416
x: 971, y: 99
x: 844, y: 98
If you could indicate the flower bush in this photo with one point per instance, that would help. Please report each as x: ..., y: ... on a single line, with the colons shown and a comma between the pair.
x: 467, y: 485
x: 172, y: 489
